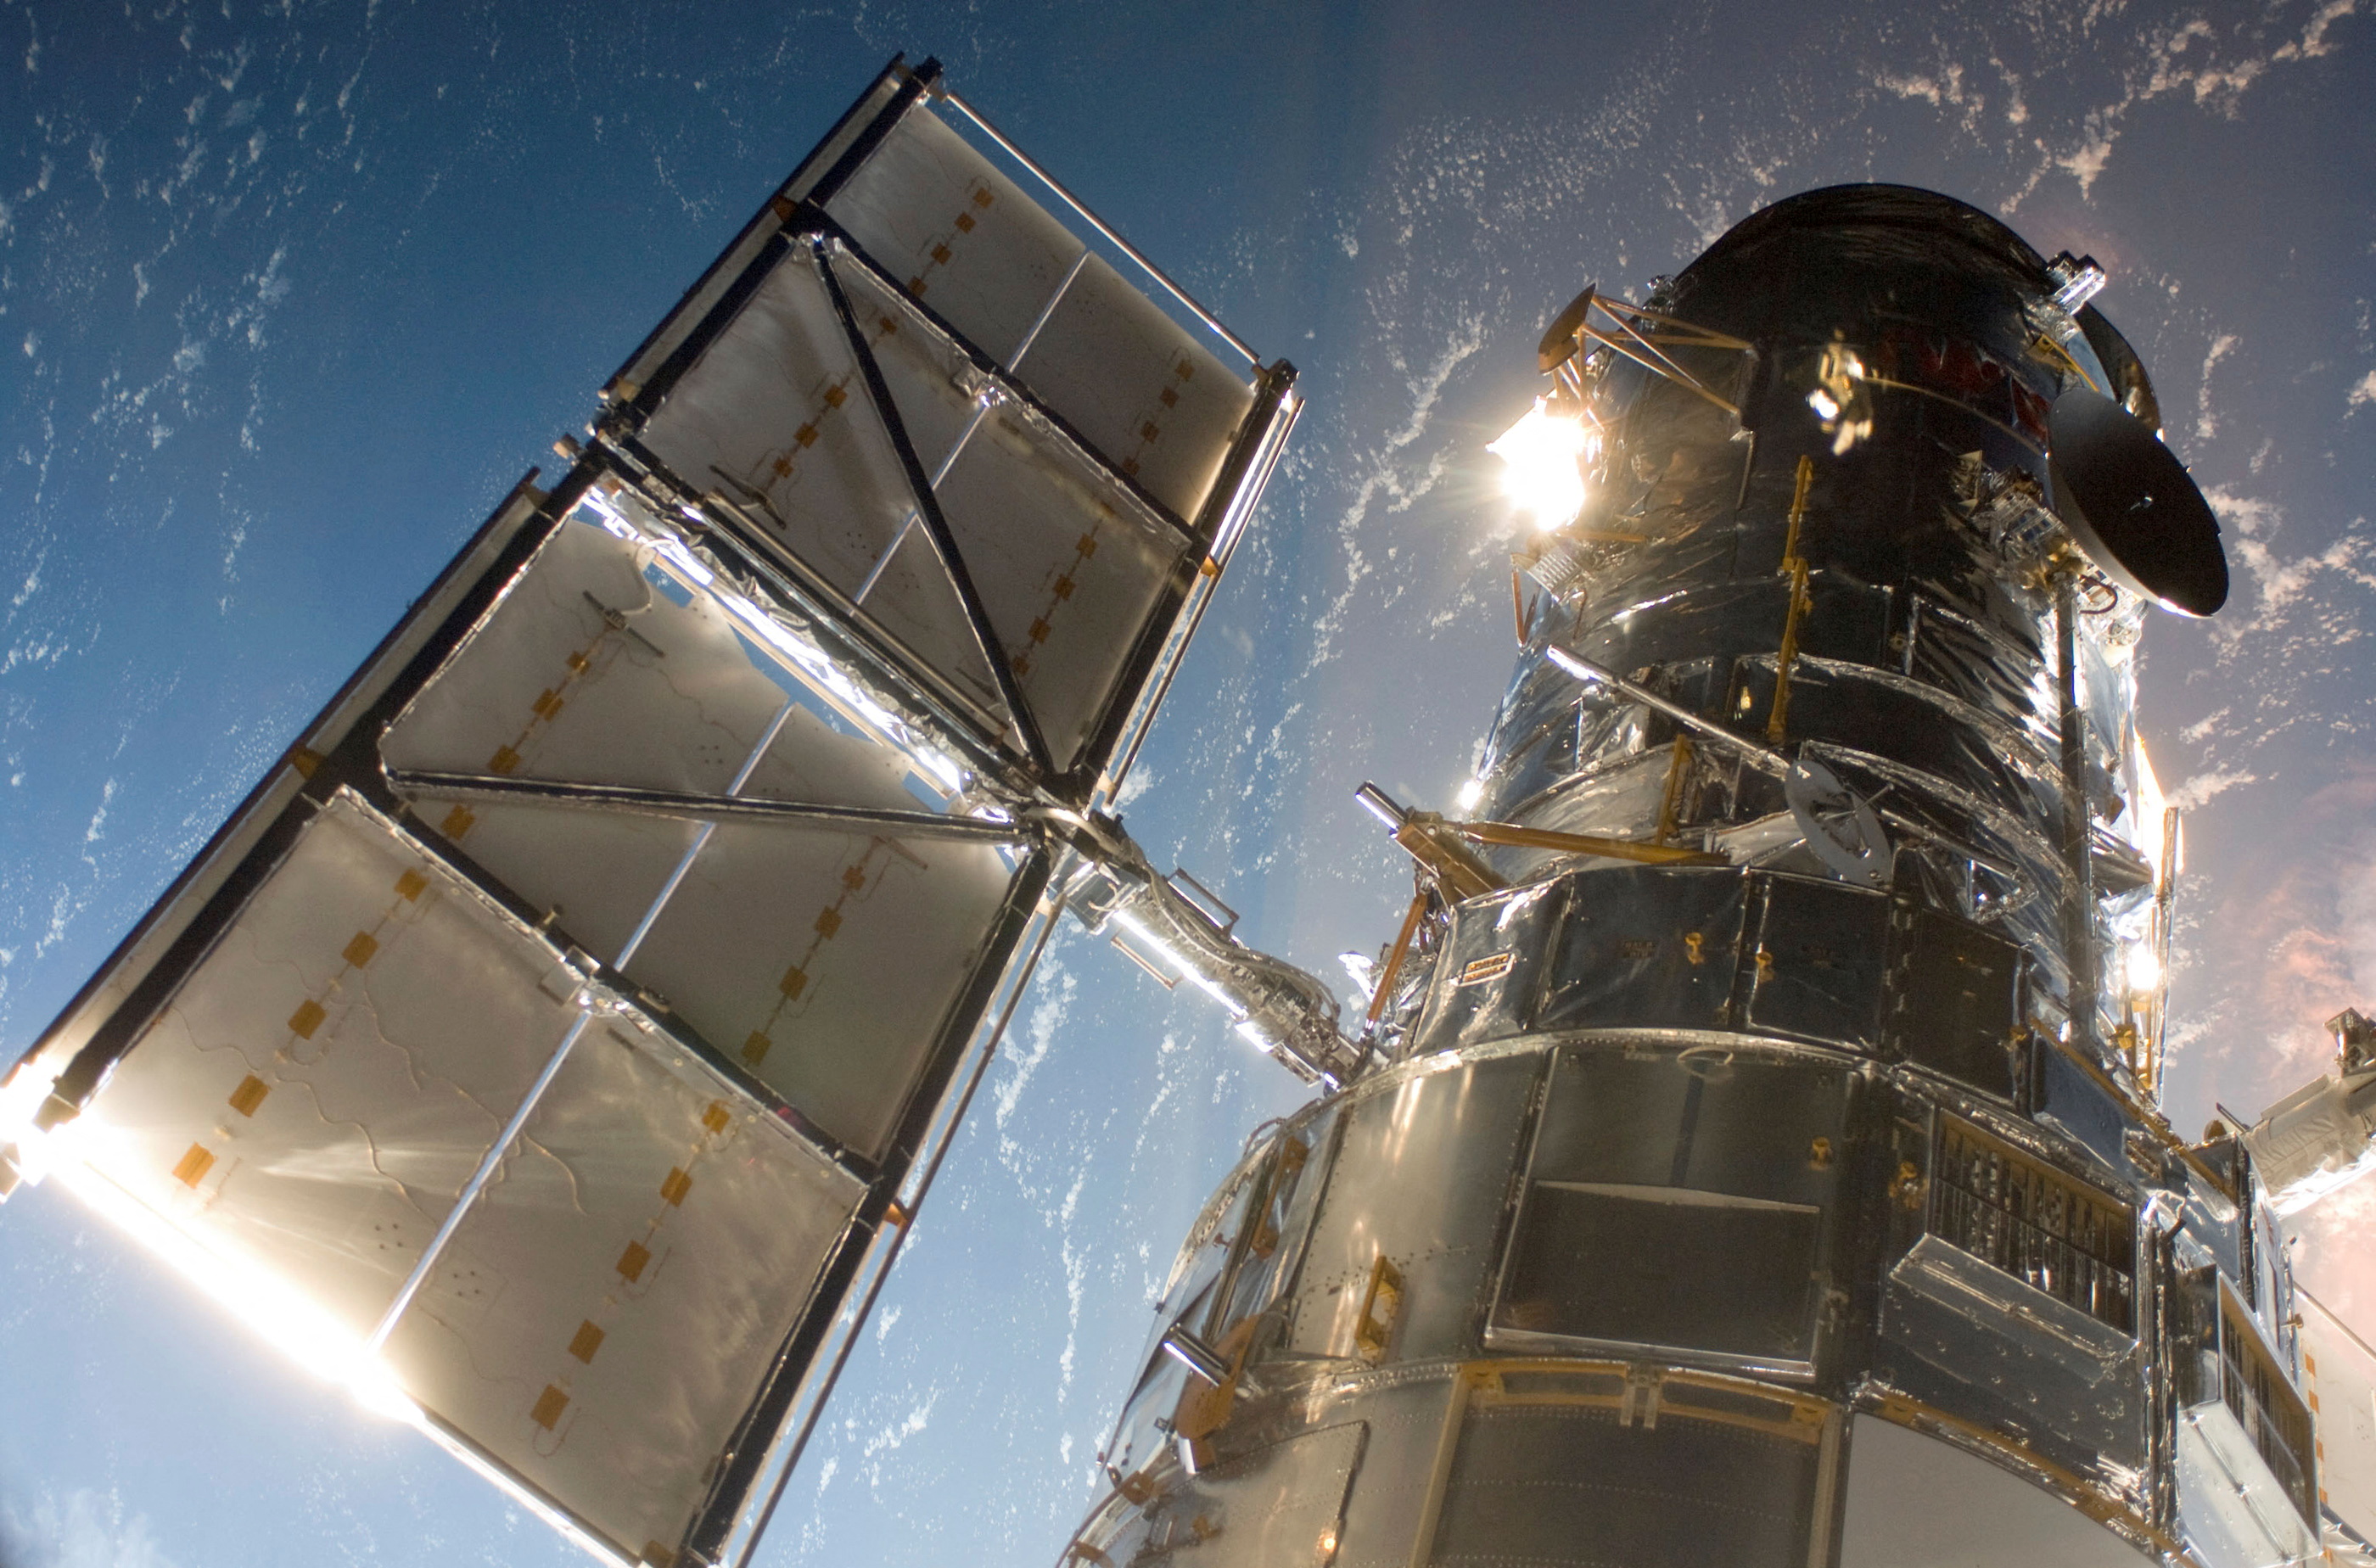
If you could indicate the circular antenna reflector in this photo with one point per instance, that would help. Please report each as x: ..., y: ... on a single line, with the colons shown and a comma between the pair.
x: 2129, y: 501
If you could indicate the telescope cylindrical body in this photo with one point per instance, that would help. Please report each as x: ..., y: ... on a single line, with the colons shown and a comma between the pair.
x: 1797, y: 1203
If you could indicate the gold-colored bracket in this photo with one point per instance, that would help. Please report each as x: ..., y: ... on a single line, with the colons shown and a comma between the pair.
x: 1644, y: 336
x: 1671, y: 804
x: 1394, y: 959
x: 2054, y: 353
x: 1515, y: 837
x: 2129, y: 1044
x: 1432, y: 842
x: 1205, y: 1408
x: 1381, y: 1305
x: 1168, y: 982
x: 1794, y: 563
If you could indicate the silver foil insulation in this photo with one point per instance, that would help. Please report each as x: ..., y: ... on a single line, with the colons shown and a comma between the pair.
x: 1760, y: 1163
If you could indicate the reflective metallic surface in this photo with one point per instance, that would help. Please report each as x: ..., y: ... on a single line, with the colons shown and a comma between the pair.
x: 1783, y: 1182
x: 1752, y: 1153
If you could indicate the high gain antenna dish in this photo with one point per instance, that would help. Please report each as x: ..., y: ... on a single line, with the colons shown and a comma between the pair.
x: 2132, y: 505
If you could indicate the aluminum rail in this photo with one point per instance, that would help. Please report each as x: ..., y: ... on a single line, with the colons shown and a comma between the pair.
x: 1584, y: 669
x: 495, y: 788
x: 1288, y: 1011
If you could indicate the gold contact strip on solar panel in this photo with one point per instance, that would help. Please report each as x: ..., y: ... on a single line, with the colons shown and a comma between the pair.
x: 794, y: 986
x: 1060, y: 592
x: 544, y: 710
x: 837, y: 392
x: 305, y: 923
x: 786, y: 462
x: 940, y: 255
x: 547, y: 708
x: 1062, y: 588
x: 1149, y: 429
x: 248, y: 1096
x: 553, y: 1402
x: 548, y: 704
x: 981, y: 197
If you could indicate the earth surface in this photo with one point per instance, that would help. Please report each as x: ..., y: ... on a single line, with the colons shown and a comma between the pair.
x: 290, y: 292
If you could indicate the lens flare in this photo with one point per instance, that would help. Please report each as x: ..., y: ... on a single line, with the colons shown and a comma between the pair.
x: 1543, y: 473
x: 296, y: 1324
x: 23, y: 1144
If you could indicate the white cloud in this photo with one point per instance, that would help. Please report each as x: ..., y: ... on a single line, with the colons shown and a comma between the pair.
x: 1056, y: 988
x: 2281, y: 579
x: 2362, y: 391
x: 2214, y: 65
x: 2314, y: 42
x: 86, y: 1528
x: 2203, y: 786
x: 2206, y: 424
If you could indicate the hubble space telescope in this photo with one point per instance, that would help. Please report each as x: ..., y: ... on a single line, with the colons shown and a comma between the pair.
x: 1750, y: 1151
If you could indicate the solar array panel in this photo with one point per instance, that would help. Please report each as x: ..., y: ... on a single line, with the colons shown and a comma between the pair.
x: 556, y: 1043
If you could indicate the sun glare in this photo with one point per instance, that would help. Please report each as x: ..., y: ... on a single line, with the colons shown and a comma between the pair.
x: 1543, y: 470
x: 294, y: 1324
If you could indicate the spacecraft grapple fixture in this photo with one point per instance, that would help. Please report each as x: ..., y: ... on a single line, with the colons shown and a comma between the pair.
x: 1750, y: 1151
